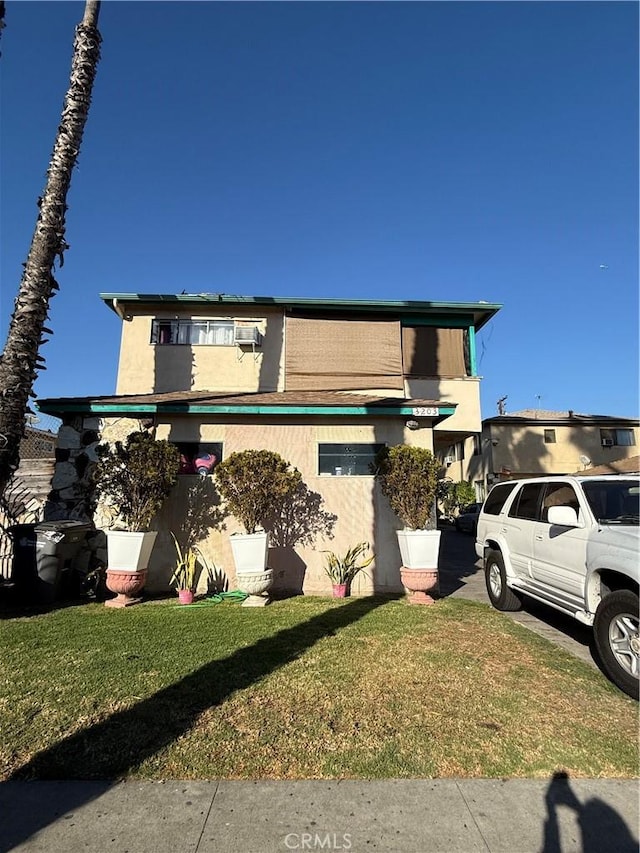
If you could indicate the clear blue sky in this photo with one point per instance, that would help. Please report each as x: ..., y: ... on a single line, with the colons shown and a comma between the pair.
x: 432, y: 151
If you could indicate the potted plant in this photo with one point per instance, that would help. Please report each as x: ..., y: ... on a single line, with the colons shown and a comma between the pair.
x: 342, y: 570
x: 253, y: 483
x: 408, y: 477
x: 133, y: 479
x: 185, y: 576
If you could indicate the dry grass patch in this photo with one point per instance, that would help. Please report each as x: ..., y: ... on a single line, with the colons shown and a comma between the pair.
x: 307, y: 688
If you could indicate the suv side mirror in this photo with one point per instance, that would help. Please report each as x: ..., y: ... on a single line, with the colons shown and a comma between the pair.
x: 563, y: 516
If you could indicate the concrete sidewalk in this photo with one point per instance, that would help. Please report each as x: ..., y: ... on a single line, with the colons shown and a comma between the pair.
x: 403, y: 816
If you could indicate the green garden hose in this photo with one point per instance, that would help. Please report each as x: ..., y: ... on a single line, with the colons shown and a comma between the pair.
x: 217, y: 597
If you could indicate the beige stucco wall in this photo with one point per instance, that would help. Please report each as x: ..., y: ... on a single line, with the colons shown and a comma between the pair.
x: 465, y: 392
x: 521, y: 449
x: 146, y: 368
x: 362, y: 512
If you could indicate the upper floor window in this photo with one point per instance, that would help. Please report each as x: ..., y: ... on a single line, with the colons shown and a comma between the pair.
x: 549, y: 436
x: 618, y: 437
x: 477, y: 445
x: 193, y: 332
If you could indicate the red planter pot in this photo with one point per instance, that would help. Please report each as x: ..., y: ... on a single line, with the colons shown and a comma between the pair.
x: 419, y: 582
x: 185, y: 596
x: 340, y: 590
x: 126, y: 585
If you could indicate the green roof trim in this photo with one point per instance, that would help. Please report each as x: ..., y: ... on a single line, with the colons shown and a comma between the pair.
x: 478, y: 313
x: 52, y: 406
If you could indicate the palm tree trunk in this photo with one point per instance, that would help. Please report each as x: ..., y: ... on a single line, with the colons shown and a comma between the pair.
x: 20, y: 361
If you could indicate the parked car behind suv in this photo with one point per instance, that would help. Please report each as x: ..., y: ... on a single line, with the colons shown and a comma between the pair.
x: 467, y: 520
x: 572, y: 543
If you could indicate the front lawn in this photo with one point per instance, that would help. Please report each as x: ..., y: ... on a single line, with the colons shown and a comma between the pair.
x: 305, y: 688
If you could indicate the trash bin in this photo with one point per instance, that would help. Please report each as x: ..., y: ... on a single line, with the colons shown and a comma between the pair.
x: 24, y: 575
x: 42, y: 558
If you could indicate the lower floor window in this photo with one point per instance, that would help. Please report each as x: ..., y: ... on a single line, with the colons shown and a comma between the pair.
x: 340, y: 460
x: 199, y: 458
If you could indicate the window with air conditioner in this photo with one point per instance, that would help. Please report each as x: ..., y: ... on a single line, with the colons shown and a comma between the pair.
x: 617, y: 437
x: 247, y: 335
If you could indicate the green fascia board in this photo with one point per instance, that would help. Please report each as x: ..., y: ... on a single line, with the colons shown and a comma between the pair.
x: 478, y: 313
x: 51, y: 407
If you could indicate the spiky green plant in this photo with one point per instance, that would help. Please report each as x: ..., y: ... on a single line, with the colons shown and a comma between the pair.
x: 185, y: 575
x: 344, y: 569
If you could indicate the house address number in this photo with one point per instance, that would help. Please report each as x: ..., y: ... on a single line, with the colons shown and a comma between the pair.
x: 425, y: 411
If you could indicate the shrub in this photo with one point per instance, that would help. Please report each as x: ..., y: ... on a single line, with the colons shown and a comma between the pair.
x: 253, y: 484
x: 135, y: 477
x: 408, y: 478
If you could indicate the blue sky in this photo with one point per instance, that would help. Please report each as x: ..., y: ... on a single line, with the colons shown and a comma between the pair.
x: 433, y: 151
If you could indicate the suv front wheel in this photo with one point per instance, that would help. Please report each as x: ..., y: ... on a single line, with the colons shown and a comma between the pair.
x: 616, y: 636
x: 495, y: 576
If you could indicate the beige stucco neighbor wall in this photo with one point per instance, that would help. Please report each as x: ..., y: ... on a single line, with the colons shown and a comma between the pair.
x: 147, y: 368
x: 522, y: 450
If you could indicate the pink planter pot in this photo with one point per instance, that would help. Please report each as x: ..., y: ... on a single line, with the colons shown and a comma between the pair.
x: 185, y: 596
x: 339, y: 590
x: 127, y: 586
x: 419, y: 582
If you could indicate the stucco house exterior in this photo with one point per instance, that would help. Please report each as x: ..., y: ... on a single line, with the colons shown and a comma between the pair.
x: 323, y: 382
x: 535, y: 442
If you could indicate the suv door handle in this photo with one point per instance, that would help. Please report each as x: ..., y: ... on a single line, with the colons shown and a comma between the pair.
x: 539, y: 538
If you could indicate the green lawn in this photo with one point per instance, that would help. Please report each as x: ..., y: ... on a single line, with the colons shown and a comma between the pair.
x: 305, y: 688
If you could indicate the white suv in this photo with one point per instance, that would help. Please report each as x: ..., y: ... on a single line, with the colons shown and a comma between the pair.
x: 574, y: 544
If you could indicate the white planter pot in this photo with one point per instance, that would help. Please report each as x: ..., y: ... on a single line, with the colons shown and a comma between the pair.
x: 249, y: 552
x: 419, y: 548
x: 129, y: 552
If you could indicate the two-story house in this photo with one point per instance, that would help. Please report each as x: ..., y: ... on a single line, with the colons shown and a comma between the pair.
x: 535, y: 442
x: 323, y: 382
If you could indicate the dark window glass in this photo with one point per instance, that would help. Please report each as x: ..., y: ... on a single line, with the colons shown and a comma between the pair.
x: 549, y: 436
x: 340, y: 460
x: 497, y: 497
x: 199, y: 458
x: 526, y: 503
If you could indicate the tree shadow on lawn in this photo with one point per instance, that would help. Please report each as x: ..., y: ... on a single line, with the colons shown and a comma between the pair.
x: 111, y: 748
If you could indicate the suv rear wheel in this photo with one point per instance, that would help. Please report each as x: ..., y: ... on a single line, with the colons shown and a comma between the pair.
x: 495, y: 575
x: 616, y: 636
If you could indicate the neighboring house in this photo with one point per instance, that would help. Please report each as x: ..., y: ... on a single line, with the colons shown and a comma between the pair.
x: 533, y: 443
x: 323, y: 382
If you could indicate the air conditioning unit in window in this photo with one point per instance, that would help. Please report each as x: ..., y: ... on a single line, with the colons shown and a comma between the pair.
x: 449, y: 460
x: 607, y: 442
x: 247, y: 335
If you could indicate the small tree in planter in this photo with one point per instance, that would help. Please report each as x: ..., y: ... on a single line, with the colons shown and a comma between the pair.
x: 133, y: 479
x: 408, y: 477
x: 253, y: 485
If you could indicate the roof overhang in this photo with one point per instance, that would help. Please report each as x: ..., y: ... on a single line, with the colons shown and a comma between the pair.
x: 472, y: 313
x: 252, y: 405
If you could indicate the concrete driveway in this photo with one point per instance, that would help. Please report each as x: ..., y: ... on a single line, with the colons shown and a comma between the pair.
x: 462, y: 577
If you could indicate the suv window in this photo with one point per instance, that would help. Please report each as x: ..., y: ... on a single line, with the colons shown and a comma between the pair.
x: 559, y: 494
x: 497, y: 497
x: 526, y: 503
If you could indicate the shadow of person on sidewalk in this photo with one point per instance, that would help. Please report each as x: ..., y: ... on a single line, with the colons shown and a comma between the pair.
x: 601, y: 827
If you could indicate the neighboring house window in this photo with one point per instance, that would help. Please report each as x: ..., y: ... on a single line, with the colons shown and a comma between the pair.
x: 198, y: 458
x: 549, y: 436
x: 477, y: 445
x: 340, y: 460
x: 619, y: 437
x: 193, y: 332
